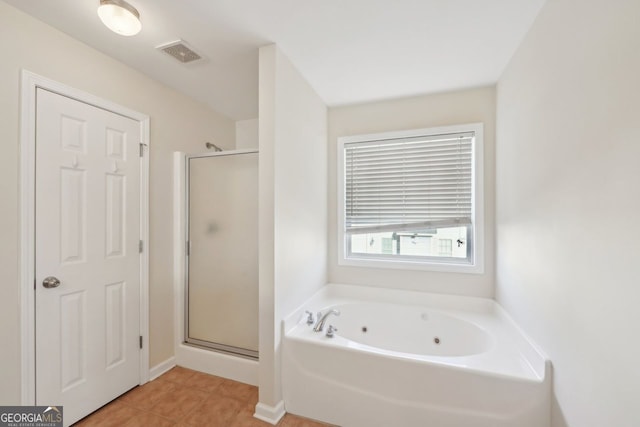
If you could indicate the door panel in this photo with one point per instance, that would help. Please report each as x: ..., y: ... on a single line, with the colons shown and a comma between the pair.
x: 72, y: 215
x: 87, y: 233
x: 115, y: 224
x: 115, y: 323
x: 72, y: 333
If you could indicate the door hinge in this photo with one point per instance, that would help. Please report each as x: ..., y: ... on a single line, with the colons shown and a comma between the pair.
x: 188, y: 248
x: 142, y: 149
x: 140, y: 246
x: 140, y: 341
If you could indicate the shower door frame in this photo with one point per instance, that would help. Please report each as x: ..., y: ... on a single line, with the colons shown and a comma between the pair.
x: 223, y: 348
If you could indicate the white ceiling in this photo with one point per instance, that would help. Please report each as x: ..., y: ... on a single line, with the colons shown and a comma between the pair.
x: 351, y: 51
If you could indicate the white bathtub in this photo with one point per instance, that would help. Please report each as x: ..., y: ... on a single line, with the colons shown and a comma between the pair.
x: 406, y: 359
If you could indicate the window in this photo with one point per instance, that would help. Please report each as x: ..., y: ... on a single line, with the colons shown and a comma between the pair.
x: 412, y: 199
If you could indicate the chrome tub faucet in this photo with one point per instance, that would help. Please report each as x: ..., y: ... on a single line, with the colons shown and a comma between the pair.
x: 322, y: 319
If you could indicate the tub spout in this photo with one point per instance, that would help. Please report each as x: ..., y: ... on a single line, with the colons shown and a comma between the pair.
x: 320, y: 324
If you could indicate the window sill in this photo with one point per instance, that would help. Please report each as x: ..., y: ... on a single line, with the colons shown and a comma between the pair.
x: 443, y: 267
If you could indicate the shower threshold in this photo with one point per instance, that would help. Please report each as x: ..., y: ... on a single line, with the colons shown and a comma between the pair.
x: 222, y: 348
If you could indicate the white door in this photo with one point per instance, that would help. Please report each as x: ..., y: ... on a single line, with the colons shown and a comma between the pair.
x: 87, y: 234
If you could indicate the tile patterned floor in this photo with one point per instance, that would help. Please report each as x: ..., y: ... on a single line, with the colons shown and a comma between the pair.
x: 186, y: 398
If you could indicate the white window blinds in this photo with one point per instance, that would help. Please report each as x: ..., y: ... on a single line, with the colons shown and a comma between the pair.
x: 408, y: 183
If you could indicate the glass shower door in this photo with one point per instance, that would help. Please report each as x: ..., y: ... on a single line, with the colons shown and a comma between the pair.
x: 222, y: 282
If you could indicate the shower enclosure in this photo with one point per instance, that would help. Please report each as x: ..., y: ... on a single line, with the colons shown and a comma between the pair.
x: 221, y: 292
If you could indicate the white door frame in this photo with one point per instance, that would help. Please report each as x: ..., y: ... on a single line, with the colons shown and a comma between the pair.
x: 30, y: 82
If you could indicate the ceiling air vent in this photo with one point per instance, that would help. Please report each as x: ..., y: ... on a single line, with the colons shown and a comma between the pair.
x: 180, y: 51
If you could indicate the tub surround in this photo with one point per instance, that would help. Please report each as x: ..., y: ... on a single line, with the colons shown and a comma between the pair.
x: 384, y: 366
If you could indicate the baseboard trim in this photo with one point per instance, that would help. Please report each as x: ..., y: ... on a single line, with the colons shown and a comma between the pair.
x: 270, y: 414
x: 161, y: 368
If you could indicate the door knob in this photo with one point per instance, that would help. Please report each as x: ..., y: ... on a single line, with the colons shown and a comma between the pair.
x: 51, y: 282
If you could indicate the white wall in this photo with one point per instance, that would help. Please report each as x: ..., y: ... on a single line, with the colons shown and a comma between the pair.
x: 293, y: 204
x: 247, y: 134
x: 568, y: 175
x: 177, y: 123
x: 462, y: 107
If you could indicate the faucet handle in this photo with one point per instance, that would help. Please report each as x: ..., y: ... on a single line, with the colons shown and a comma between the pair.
x: 330, y: 332
x: 310, y: 319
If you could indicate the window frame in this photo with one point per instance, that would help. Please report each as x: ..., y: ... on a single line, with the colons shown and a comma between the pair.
x: 475, y: 238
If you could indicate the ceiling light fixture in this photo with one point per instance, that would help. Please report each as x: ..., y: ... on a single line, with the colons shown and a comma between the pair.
x: 120, y: 17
